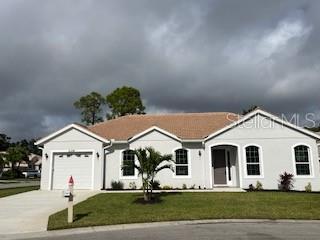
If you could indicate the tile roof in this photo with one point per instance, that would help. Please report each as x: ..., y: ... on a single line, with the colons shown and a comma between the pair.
x: 183, y: 125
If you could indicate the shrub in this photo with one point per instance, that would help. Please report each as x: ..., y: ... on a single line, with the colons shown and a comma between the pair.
x: 117, y: 185
x: 286, y: 181
x: 251, y: 188
x: 308, y: 188
x: 259, y: 186
x: 193, y: 186
x: 166, y: 187
x: 132, y: 185
x: 184, y: 186
x: 12, y: 174
x: 156, y: 185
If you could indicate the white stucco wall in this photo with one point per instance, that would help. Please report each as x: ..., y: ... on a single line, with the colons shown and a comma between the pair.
x: 72, y: 140
x: 165, y: 145
x: 276, y: 142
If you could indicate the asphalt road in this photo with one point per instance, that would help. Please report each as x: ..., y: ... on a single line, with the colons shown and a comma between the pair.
x: 239, y: 231
x: 19, y: 183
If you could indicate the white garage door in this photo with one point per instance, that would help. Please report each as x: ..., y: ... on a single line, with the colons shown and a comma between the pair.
x: 79, y: 165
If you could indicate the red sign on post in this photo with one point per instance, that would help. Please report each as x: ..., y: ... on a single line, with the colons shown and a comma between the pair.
x: 71, y: 182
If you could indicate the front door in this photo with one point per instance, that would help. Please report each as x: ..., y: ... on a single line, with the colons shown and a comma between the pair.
x: 219, y: 166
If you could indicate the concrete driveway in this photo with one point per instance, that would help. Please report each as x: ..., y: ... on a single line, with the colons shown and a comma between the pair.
x: 29, y: 212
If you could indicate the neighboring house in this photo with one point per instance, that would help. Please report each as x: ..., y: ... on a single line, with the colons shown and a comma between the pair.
x: 34, y: 163
x: 210, y: 150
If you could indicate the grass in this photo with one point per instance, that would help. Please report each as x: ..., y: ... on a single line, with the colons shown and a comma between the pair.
x: 120, y: 208
x: 11, y: 191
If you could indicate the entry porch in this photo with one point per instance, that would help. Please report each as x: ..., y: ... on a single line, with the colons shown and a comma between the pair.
x: 224, y: 168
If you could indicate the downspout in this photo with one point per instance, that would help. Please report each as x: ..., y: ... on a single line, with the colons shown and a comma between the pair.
x: 104, y: 165
x: 204, y: 158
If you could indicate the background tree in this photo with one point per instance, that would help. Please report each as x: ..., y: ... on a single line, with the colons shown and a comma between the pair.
x: 4, y: 142
x: 29, y: 145
x: 315, y: 128
x: 2, y: 162
x: 252, y: 108
x: 90, y: 106
x: 124, y: 101
x: 150, y: 162
x: 15, y: 155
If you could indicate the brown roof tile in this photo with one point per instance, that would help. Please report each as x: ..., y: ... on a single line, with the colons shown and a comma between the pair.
x: 183, y: 125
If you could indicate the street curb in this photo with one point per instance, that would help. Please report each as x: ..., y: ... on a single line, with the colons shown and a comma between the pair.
x: 74, y: 231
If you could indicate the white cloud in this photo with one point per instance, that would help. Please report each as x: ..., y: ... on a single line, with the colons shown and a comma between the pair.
x: 253, y: 48
x: 279, y: 38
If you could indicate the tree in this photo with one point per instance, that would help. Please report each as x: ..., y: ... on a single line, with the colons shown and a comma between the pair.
x: 124, y: 101
x: 90, y: 106
x: 150, y: 162
x: 2, y: 162
x: 15, y: 155
x: 29, y: 145
x: 4, y: 142
x: 252, y: 108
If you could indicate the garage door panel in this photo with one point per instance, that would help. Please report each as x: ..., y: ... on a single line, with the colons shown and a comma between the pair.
x: 79, y: 165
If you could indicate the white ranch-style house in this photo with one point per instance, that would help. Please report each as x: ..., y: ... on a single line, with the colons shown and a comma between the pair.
x: 210, y: 150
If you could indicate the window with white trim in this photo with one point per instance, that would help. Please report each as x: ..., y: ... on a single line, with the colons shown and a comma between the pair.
x: 302, y: 162
x: 182, y: 168
x: 253, y: 161
x: 128, y: 157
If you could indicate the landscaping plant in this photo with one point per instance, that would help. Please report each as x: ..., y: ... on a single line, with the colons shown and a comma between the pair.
x: 150, y: 162
x: 117, y: 185
x: 286, y: 181
x: 132, y: 185
x: 156, y: 185
x: 308, y: 188
x: 251, y: 188
x: 259, y: 186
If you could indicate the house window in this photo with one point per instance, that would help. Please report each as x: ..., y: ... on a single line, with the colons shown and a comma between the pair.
x: 182, y: 168
x: 128, y: 163
x: 253, y: 161
x: 302, y: 162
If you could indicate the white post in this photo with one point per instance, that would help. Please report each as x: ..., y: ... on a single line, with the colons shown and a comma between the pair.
x: 70, y: 201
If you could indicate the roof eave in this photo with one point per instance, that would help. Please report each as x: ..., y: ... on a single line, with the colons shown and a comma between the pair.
x: 268, y: 115
x: 66, y: 128
x: 191, y: 140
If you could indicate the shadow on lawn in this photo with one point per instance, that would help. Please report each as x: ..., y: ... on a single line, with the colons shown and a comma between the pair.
x: 156, y: 198
x: 79, y: 216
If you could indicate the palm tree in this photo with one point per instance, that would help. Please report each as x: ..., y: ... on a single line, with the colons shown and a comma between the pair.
x: 150, y: 162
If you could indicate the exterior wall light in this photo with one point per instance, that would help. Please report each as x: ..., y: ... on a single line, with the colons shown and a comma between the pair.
x: 46, y: 156
x: 98, y: 155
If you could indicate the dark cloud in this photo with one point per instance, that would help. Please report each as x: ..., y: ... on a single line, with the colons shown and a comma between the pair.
x: 182, y: 55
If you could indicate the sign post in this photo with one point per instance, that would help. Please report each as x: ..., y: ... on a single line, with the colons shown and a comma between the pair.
x: 70, y: 200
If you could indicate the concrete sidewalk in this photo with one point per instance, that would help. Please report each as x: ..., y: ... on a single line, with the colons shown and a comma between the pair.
x: 29, y: 211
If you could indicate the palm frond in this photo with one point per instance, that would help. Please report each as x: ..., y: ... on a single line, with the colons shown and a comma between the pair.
x: 166, y: 166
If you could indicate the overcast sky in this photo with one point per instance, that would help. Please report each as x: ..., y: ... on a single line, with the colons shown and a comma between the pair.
x: 184, y: 56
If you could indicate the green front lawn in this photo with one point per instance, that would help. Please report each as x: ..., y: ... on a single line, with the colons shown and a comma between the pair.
x: 118, y: 208
x: 12, y: 191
